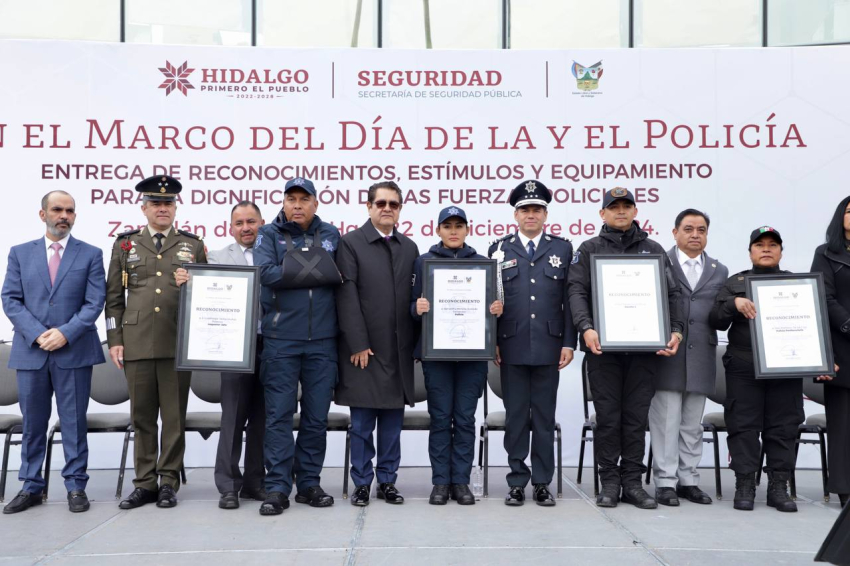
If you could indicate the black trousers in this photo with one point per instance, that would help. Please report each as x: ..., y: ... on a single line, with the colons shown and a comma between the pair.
x: 530, y: 390
x: 838, y: 440
x: 771, y: 408
x: 242, y: 402
x: 621, y: 385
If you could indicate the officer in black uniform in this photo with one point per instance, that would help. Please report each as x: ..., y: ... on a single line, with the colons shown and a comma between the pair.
x: 621, y: 383
x: 536, y: 339
x: 770, y: 407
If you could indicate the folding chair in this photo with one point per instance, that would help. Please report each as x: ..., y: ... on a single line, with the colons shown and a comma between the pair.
x: 9, y: 424
x: 588, y: 426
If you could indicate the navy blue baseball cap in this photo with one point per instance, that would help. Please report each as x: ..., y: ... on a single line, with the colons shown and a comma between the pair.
x: 615, y: 194
x: 452, y: 212
x: 305, y: 185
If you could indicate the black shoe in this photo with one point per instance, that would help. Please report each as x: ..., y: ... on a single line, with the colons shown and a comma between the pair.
x: 637, y: 496
x: 274, y: 504
x: 439, y: 495
x: 693, y: 494
x: 314, y: 496
x: 666, y: 496
x: 745, y: 492
x: 255, y: 494
x: 360, y: 497
x: 78, y: 502
x: 777, y: 493
x: 167, y: 497
x: 608, y: 496
x: 228, y: 500
x: 23, y: 501
x: 388, y: 492
x: 139, y: 497
x: 515, y: 497
x: 461, y: 494
x: 842, y: 498
x: 542, y: 495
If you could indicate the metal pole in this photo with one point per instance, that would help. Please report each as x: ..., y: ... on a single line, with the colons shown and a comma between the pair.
x: 506, y: 23
x: 764, y: 23
x: 123, y: 26
x: 253, y: 23
x: 380, y: 23
x: 426, y: 10
x: 631, y: 23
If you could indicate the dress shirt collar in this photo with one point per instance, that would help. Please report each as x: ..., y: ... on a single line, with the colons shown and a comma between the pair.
x: 63, y: 242
x: 683, y: 258
x: 524, y: 240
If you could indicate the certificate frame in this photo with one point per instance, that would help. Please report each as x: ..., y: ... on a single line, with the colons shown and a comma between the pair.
x: 429, y: 351
x: 602, y: 308
x: 248, y: 334
x: 821, y: 324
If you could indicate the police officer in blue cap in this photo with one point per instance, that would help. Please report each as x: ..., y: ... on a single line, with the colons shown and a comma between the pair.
x: 299, y: 344
x: 536, y: 339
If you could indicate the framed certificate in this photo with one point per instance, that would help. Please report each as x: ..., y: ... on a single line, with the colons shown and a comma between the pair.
x: 459, y: 326
x: 790, y: 334
x: 217, y: 318
x: 630, y: 309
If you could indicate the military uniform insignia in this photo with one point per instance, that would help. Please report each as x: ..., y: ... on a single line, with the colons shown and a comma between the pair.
x: 327, y: 245
x: 258, y: 241
x: 713, y: 265
x: 575, y: 257
x: 499, y: 255
x: 133, y: 258
x: 619, y: 192
x: 530, y: 187
x: 508, y: 264
x: 554, y: 261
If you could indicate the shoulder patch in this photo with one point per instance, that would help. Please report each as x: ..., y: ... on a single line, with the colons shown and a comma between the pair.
x: 189, y: 234
x: 575, y: 257
x: 128, y: 233
x: 258, y: 241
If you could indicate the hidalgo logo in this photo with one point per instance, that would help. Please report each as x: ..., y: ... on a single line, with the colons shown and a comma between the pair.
x: 175, y: 78
x: 587, y: 78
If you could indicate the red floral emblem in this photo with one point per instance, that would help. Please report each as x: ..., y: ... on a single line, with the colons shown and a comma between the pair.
x: 126, y: 245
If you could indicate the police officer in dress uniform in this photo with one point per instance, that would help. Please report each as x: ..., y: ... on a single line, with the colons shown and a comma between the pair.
x: 142, y: 294
x: 536, y: 339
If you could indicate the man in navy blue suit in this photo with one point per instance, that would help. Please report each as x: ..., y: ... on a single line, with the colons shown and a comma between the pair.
x: 55, y: 345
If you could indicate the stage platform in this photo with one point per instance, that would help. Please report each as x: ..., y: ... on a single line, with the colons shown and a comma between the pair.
x: 196, y: 532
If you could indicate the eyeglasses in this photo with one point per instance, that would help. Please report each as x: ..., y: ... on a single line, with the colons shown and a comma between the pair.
x: 393, y: 204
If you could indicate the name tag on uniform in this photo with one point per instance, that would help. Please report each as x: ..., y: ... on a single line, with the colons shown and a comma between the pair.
x: 508, y: 264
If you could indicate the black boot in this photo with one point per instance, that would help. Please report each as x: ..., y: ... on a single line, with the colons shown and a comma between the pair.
x: 745, y: 491
x: 777, y: 492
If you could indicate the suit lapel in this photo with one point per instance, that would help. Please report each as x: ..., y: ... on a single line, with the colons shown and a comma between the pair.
x: 515, y: 243
x: 677, y: 268
x: 41, y: 262
x: 144, y: 240
x: 171, y: 241
x: 66, y: 262
x: 542, y: 248
x: 237, y: 255
x: 709, y: 266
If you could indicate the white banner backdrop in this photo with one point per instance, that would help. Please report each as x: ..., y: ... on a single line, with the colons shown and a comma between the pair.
x: 751, y: 136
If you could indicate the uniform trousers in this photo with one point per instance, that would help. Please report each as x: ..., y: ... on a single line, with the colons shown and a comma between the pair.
x: 770, y: 408
x: 838, y: 420
x: 675, y: 426
x: 621, y: 385
x: 158, y: 390
x: 453, y: 392
x: 363, y: 423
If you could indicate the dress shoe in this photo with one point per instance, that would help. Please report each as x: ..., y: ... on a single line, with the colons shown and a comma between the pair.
x: 439, y: 495
x: 314, y: 496
x: 78, y: 502
x: 667, y: 496
x: 461, y: 494
x: 23, y: 501
x: 360, y: 497
x: 842, y: 498
x: 167, y: 497
x: 693, y: 494
x: 274, y: 504
x: 389, y: 493
x: 515, y: 497
x: 228, y: 500
x: 139, y: 497
x: 777, y: 492
x: 608, y: 496
x: 255, y: 494
x: 542, y: 495
x: 745, y: 492
x: 637, y: 496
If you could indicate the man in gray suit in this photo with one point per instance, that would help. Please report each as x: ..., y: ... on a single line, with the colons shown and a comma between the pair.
x: 682, y: 382
x: 242, y: 399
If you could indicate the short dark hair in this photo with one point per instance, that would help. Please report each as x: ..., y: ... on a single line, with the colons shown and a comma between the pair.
x: 246, y: 203
x: 692, y: 212
x: 835, y: 230
x: 46, y: 198
x: 384, y: 185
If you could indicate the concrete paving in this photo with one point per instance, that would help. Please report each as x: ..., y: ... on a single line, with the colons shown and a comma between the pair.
x: 575, y: 531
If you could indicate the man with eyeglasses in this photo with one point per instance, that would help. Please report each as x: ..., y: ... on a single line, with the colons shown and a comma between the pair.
x: 378, y: 337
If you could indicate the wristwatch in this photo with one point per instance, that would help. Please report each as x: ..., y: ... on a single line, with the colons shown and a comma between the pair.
x: 679, y: 336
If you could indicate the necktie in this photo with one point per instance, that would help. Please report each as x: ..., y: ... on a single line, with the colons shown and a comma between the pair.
x: 388, y: 238
x: 692, y: 275
x: 159, y: 238
x: 530, y: 249
x: 53, y: 264
x: 249, y: 256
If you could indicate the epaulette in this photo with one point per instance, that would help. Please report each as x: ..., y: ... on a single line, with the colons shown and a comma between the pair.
x: 128, y: 233
x: 554, y: 237
x: 503, y: 238
x: 191, y: 235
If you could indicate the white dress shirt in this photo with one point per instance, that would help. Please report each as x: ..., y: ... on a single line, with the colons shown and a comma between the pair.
x: 683, y: 262
x: 63, y: 242
x: 524, y: 240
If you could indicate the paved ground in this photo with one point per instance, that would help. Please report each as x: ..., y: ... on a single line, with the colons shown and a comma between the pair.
x: 573, y: 532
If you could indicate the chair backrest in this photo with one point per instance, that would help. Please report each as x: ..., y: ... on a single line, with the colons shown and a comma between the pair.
x: 494, y: 379
x: 813, y: 390
x: 585, y: 379
x: 206, y: 385
x: 108, y: 383
x: 419, y: 392
x: 720, y: 381
x: 8, y: 377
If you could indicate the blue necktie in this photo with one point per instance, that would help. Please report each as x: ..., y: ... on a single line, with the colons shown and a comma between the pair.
x: 530, y: 249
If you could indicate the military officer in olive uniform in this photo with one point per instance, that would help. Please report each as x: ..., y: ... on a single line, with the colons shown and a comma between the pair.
x: 536, y: 339
x: 142, y: 294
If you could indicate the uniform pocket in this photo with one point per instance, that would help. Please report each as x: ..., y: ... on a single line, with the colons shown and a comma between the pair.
x: 507, y: 329
x: 555, y: 273
x: 556, y: 328
x: 137, y: 275
x: 131, y: 317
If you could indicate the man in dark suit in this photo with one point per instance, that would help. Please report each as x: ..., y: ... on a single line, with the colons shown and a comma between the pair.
x: 242, y: 399
x: 682, y: 382
x: 536, y: 339
x: 55, y: 345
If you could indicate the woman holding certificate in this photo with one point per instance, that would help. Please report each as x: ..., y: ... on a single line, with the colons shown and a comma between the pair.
x: 833, y: 260
x: 454, y: 387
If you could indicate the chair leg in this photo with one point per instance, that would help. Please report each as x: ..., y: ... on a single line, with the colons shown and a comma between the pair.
x: 47, y: 460
x: 6, y: 445
x: 716, y: 443
x: 183, y: 474
x: 486, y: 462
x: 792, y: 481
x: 560, y: 456
x: 595, y: 466
x: 480, y: 444
x: 649, y: 465
x: 581, y: 454
x: 347, y: 460
x: 824, y: 470
x: 761, y: 465
x: 123, y: 466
